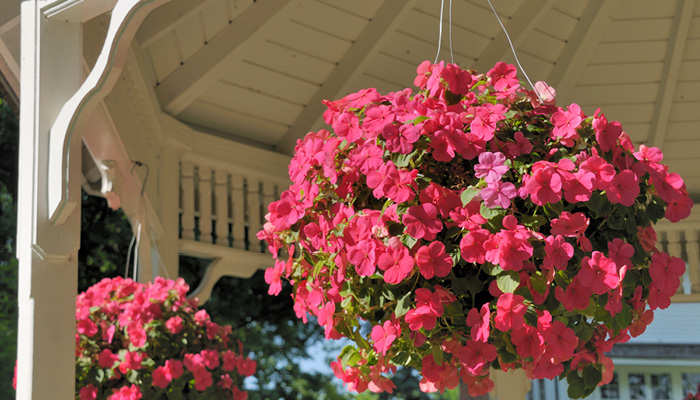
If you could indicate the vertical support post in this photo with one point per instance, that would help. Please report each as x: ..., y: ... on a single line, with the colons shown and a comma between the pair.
x: 692, y: 247
x: 48, y: 267
x: 253, y: 202
x: 511, y: 385
x: 170, y: 210
x: 205, y: 200
x: 221, y: 206
x: 187, y: 200
x: 238, y: 211
x: 267, y: 198
x: 674, y: 247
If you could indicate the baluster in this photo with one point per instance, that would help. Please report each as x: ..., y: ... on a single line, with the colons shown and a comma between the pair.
x: 187, y: 200
x: 692, y: 247
x: 674, y: 247
x: 238, y: 211
x: 253, y: 204
x: 267, y: 198
x: 221, y: 207
x: 205, y: 200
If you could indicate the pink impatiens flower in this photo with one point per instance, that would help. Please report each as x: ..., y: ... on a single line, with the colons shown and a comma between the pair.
x: 498, y: 194
x: 510, y: 312
x: 396, y: 262
x: 422, y: 221
x: 491, y: 166
x: 433, y: 261
x: 565, y: 124
x: 384, y: 336
x: 478, y: 320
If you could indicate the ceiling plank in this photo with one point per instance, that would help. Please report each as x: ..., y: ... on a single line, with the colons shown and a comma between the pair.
x: 166, y: 18
x: 670, y: 72
x: 589, y: 29
x: 525, y: 20
x: 9, y: 13
x: 353, y: 62
x: 209, y: 63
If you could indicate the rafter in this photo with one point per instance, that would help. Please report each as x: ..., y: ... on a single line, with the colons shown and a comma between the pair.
x: 9, y: 13
x: 669, y: 74
x: 209, y: 63
x: 353, y: 62
x: 588, y: 31
x: 524, y: 21
x: 165, y: 18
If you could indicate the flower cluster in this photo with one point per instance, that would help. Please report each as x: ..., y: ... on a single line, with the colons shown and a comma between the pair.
x: 148, y: 341
x: 474, y: 225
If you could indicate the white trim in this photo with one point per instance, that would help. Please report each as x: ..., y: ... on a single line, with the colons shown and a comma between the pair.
x: 126, y: 18
x: 77, y: 10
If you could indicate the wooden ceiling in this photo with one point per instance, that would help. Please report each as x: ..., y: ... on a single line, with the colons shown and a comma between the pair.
x: 256, y: 71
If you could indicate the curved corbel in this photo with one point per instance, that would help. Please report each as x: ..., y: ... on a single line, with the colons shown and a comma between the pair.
x: 127, y: 16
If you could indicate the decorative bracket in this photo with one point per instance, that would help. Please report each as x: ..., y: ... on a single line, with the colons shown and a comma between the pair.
x: 127, y: 16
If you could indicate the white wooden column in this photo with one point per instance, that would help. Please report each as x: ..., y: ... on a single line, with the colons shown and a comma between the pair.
x: 48, y: 268
x: 170, y: 184
x: 511, y: 385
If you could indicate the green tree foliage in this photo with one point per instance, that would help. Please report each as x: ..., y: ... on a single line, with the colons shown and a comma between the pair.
x: 9, y: 139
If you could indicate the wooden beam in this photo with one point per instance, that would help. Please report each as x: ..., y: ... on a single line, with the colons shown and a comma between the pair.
x: 669, y: 74
x: 9, y: 13
x: 209, y: 63
x: 524, y: 20
x: 165, y: 18
x: 581, y: 44
x: 77, y: 10
x: 353, y: 63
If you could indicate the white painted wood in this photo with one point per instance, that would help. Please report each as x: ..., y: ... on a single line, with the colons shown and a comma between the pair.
x: 77, y: 10
x: 353, y: 62
x: 221, y: 207
x: 207, y: 65
x: 47, y: 253
x: 126, y: 17
x: 165, y: 19
x: 268, y: 196
x: 511, y: 385
x: 227, y: 262
x: 169, y: 184
x: 253, y: 202
x: 524, y: 21
x: 669, y: 74
x: 9, y: 14
x: 579, y: 47
x: 205, y: 202
x: 238, y: 206
x: 692, y: 248
x: 187, y: 199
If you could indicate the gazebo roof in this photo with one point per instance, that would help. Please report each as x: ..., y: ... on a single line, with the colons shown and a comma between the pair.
x: 257, y: 71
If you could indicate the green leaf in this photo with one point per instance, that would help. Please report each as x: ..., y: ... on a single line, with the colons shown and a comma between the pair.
x: 553, y: 210
x: 403, y: 305
x: 577, y: 387
x: 437, y: 354
x: 595, y: 203
x: 538, y: 282
x: 408, y: 241
x: 349, y: 356
x: 508, y: 281
x: 468, y: 195
x: 489, y: 213
x: 475, y: 285
x: 534, y: 221
x: 591, y: 376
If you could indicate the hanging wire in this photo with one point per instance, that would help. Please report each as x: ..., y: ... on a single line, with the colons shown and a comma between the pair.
x: 136, y: 238
x: 442, y: 7
x: 452, y: 58
x: 512, y: 48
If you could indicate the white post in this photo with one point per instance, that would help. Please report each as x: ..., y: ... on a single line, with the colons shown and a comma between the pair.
x: 50, y: 75
x: 511, y: 385
x: 170, y: 210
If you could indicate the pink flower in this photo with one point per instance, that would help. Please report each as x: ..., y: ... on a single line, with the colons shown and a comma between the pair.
x: 520, y: 146
x: 88, y: 392
x: 175, y: 367
x: 544, y: 186
x: 396, y: 262
x: 210, y: 358
x: 491, y: 166
x: 363, y: 257
x: 384, y: 336
x: 665, y: 272
x: 479, y: 320
x: 458, y: 80
x: 624, y: 188
x: 575, y: 297
x: 565, y: 124
x: 106, y: 358
x: 557, y: 252
x: 126, y: 393
x: 503, y: 76
x: 422, y: 221
x: 87, y: 327
x: 432, y: 260
x: 162, y: 377
x: 202, y: 379
x: 498, y: 194
x: 561, y: 340
x: 476, y: 356
x: 174, y: 324
x: 510, y: 312
x: 598, y: 273
x: 528, y: 342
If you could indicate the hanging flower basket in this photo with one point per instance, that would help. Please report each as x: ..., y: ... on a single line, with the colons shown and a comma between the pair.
x: 474, y: 225
x: 148, y: 341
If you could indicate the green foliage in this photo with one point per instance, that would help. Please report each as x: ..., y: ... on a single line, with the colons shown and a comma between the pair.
x: 9, y: 139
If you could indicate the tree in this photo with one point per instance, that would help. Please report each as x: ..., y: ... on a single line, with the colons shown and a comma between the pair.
x: 9, y: 142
